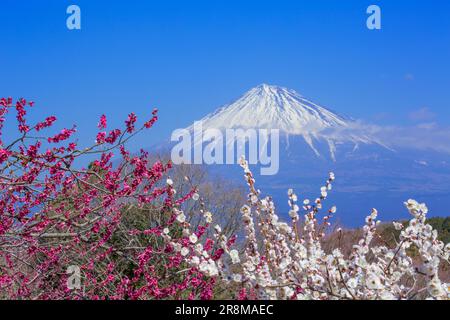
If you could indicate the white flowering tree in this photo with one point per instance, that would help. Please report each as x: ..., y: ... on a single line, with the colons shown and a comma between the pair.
x: 286, y: 261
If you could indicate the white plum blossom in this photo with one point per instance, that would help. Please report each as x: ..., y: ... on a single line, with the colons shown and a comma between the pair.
x: 436, y: 288
x: 398, y: 226
x: 293, y: 214
x: 208, y: 217
x: 195, y: 260
x: 184, y: 251
x: 352, y: 283
x: 181, y: 218
x: 177, y: 247
x: 193, y: 238
x: 195, y: 196
x: 373, y: 282
x: 209, y: 268
x: 234, y: 255
x: 237, y: 278
x: 198, y: 248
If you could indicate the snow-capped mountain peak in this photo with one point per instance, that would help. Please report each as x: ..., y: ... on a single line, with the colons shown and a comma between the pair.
x: 273, y: 107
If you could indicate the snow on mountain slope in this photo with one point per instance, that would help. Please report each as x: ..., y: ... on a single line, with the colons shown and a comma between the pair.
x: 273, y: 107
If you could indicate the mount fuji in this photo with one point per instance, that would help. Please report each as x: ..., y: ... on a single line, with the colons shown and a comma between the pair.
x: 315, y: 140
x: 273, y: 107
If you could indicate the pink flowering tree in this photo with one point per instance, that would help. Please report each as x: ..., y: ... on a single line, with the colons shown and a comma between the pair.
x: 70, y: 233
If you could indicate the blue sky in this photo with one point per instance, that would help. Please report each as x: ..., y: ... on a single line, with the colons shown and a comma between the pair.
x: 189, y: 57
